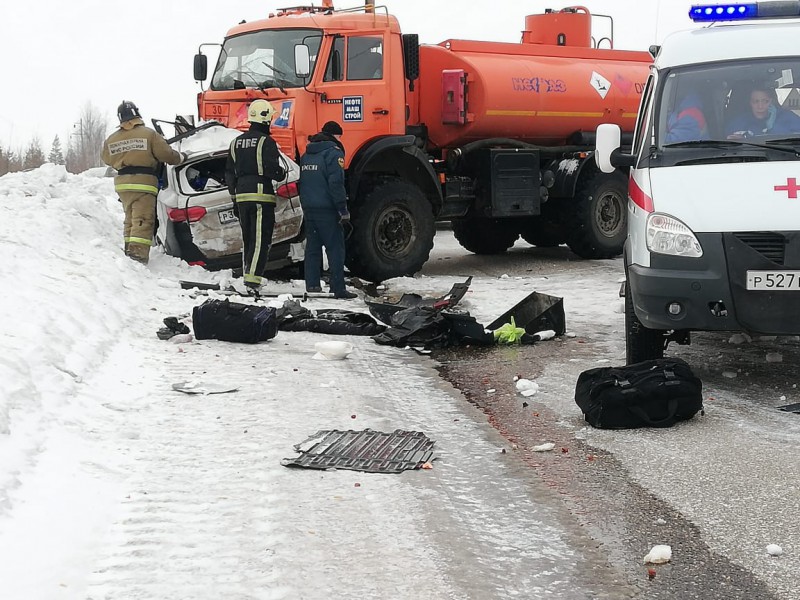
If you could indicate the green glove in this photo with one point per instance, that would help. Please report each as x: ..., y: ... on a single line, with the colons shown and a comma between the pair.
x: 509, y: 333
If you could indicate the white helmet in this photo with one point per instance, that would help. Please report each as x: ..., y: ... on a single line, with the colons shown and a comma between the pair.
x: 260, y: 111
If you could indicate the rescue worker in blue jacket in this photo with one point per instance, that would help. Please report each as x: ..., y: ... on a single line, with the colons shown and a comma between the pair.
x: 324, y: 201
x: 136, y: 152
x: 254, y: 162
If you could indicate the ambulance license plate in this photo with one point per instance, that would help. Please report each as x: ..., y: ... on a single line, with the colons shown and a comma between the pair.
x: 227, y: 216
x: 773, y: 280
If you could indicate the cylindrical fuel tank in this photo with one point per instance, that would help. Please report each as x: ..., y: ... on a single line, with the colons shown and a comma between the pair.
x: 536, y: 93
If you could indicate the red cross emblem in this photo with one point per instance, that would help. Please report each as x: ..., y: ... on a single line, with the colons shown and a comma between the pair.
x: 791, y: 188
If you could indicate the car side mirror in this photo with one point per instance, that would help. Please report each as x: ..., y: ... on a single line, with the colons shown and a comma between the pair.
x: 608, y: 155
x: 200, y: 67
x: 302, y: 61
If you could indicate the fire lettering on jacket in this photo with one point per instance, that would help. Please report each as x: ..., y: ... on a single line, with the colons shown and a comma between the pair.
x: 538, y: 85
x: 247, y: 143
x: 127, y: 145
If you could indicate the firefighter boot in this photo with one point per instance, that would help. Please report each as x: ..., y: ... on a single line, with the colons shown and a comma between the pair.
x: 139, y: 252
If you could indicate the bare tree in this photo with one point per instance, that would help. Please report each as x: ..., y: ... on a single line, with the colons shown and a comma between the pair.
x: 34, y: 156
x: 3, y: 161
x: 86, y: 143
x: 56, y: 155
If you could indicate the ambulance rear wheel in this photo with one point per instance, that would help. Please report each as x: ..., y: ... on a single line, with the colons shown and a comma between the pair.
x: 599, y: 222
x: 485, y: 236
x: 641, y: 343
x: 393, y: 229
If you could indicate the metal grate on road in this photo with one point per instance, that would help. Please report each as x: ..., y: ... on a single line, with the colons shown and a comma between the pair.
x: 367, y: 450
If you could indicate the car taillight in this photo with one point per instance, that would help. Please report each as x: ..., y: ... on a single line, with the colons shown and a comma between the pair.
x: 287, y: 190
x: 191, y: 214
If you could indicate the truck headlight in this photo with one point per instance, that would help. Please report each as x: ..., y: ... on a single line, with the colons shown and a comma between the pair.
x: 667, y: 235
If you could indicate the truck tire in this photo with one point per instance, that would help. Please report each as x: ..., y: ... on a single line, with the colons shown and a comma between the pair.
x: 393, y: 229
x: 641, y: 343
x: 544, y: 233
x: 485, y: 236
x: 600, y: 216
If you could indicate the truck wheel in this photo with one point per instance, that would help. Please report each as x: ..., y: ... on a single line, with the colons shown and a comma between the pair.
x: 641, y: 343
x: 544, y: 233
x: 599, y: 222
x: 485, y: 236
x: 393, y: 229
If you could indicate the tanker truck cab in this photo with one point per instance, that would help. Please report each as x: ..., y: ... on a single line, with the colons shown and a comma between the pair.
x: 713, y: 210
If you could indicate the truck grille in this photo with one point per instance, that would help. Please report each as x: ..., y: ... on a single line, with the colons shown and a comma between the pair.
x: 771, y: 246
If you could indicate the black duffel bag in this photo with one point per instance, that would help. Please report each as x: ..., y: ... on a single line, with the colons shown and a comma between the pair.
x: 652, y: 393
x: 234, y: 322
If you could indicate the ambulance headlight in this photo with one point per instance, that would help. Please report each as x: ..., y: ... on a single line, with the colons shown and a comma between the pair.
x: 667, y: 235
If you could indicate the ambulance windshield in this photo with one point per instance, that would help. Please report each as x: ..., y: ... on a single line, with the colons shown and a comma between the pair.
x: 263, y: 59
x: 755, y: 100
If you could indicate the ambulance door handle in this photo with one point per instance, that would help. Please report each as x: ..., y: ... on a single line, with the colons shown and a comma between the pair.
x: 380, y: 111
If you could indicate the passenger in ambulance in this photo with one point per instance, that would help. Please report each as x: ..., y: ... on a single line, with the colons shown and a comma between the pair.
x: 764, y: 117
x: 687, y: 122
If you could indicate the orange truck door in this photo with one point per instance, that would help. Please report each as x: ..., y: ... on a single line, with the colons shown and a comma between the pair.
x: 355, y: 88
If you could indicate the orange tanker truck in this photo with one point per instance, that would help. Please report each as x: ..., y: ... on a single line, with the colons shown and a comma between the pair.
x: 494, y: 137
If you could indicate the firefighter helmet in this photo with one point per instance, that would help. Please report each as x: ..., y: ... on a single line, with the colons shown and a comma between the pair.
x: 260, y: 111
x: 127, y: 111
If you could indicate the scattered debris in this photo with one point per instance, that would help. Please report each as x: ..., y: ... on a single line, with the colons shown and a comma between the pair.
x: 740, y: 338
x: 197, y: 387
x: 774, y: 550
x: 651, y: 573
x: 526, y: 387
x: 774, y: 357
x: 332, y: 350
x: 367, y: 450
x: 173, y: 327
x: 658, y: 555
x: 660, y: 521
x: 729, y: 374
x: 792, y: 408
x: 544, y: 447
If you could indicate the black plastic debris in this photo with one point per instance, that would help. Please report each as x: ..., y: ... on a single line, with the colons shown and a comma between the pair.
x: 367, y: 450
x: 292, y: 316
x: 792, y: 408
x: 536, y: 312
x: 383, y: 310
x: 173, y: 328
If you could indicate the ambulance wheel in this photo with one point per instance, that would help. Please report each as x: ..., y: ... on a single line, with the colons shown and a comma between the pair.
x: 485, y: 236
x: 600, y: 216
x: 393, y: 229
x: 641, y: 343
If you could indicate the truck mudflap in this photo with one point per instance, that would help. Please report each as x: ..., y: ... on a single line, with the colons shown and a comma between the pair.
x: 712, y: 291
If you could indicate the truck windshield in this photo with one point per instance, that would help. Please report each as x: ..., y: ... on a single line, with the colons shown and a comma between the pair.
x: 752, y: 101
x: 263, y: 59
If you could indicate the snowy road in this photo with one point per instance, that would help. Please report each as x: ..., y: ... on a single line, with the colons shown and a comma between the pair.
x: 113, y: 485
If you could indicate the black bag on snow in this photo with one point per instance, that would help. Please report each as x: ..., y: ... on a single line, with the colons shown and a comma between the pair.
x: 234, y: 322
x: 652, y: 393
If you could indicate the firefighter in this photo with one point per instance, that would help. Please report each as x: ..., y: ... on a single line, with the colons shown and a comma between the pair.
x: 254, y: 162
x: 324, y: 201
x: 136, y: 152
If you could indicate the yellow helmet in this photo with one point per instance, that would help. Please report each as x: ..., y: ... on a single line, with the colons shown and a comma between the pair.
x: 260, y: 111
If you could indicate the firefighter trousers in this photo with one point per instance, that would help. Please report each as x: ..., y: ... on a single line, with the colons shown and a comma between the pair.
x: 323, y: 229
x: 257, y: 220
x: 139, y: 225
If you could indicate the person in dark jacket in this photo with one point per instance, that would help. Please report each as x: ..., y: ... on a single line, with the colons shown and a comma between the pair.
x: 136, y: 152
x: 324, y: 201
x: 253, y: 164
x: 764, y: 117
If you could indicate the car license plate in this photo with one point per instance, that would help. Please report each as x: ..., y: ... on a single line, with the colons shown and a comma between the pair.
x: 227, y: 216
x: 773, y: 280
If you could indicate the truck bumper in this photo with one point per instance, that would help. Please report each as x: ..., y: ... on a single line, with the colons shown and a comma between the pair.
x: 712, y: 292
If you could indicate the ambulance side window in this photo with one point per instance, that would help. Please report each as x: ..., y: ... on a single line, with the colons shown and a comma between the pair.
x: 646, y: 108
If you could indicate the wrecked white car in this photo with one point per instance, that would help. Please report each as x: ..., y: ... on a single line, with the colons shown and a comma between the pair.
x: 195, y: 213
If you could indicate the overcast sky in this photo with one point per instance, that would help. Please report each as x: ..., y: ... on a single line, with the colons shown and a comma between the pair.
x: 60, y: 55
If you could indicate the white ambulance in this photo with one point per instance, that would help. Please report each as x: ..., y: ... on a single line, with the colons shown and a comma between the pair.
x: 714, y: 194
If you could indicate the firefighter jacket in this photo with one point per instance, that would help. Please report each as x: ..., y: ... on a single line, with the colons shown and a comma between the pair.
x: 136, y: 152
x: 322, y: 175
x: 253, y: 164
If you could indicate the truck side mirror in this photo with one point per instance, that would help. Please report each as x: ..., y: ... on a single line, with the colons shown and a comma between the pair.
x: 607, y: 153
x: 302, y: 61
x: 200, y: 67
x: 411, y: 55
